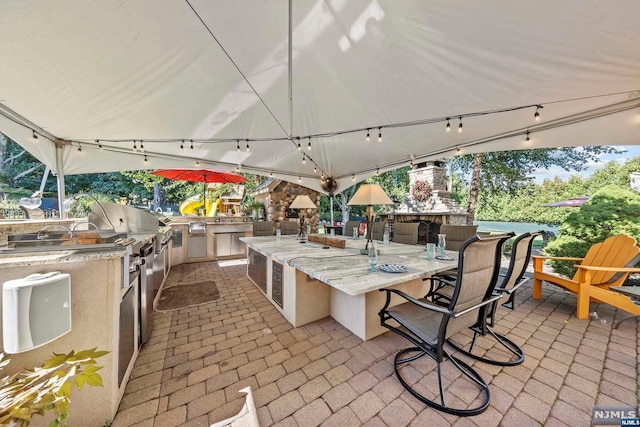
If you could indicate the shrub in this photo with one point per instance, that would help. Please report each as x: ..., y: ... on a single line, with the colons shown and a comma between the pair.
x: 611, y: 211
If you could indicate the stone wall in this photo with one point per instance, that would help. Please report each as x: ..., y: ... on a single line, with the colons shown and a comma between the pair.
x: 281, y: 197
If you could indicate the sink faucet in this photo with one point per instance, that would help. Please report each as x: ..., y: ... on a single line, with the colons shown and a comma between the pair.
x: 69, y: 202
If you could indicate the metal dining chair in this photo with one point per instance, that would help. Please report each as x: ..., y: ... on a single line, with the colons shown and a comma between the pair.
x: 429, y: 326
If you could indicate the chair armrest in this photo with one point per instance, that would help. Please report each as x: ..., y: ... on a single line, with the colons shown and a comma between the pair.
x: 515, y: 288
x: 485, y: 302
x: 610, y: 269
x: 412, y: 300
x: 558, y: 258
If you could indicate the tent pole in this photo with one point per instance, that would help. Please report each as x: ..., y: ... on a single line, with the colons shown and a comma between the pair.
x: 60, y: 176
x: 290, y: 66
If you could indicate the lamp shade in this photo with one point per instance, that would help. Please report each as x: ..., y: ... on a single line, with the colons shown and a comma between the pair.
x: 302, y: 202
x: 370, y: 194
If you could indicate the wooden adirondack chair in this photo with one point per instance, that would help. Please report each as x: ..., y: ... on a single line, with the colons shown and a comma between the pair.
x: 606, y: 264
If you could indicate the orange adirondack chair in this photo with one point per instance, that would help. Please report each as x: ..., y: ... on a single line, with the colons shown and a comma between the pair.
x: 606, y: 264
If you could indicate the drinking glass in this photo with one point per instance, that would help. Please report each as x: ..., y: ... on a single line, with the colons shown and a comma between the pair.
x: 355, y: 232
x: 442, y: 243
x: 431, y: 250
x: 373, y: 257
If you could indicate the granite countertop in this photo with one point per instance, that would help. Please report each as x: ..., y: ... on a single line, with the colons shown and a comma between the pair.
x: 23, y: 256
x: 346, y: 269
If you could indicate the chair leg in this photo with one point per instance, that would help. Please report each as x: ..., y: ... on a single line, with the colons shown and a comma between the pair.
x: 505, y: 342
x: 463, y: 367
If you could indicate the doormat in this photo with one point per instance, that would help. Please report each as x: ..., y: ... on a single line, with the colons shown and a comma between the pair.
x: 184, y: 296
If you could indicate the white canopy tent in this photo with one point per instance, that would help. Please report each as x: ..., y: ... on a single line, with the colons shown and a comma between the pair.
x: 98, y: 79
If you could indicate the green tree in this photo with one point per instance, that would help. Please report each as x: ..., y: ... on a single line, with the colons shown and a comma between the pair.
x: 612, y: 210
x: 509, y: 170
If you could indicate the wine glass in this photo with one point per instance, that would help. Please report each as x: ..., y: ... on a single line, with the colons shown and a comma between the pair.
x: 373, y: 257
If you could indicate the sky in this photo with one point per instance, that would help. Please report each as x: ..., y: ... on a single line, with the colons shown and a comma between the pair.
x: 631, y: 151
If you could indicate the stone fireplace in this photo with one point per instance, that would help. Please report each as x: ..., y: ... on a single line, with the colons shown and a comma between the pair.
x: 276, y: 195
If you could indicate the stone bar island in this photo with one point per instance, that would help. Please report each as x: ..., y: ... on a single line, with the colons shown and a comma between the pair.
x: 306, y: 283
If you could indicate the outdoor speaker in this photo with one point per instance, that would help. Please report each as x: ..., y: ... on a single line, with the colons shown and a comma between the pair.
x: 35, y: 310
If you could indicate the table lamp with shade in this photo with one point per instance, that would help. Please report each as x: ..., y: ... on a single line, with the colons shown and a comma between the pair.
x: 302, y: 202
x: 369, y: 195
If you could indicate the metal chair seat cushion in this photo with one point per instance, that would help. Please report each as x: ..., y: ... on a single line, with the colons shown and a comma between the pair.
x: 418, y: 320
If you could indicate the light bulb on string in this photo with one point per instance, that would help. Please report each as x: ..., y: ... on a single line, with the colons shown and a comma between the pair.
x: 353, y: 177
x: 79, y: 148
x: 528, y: 140
x: 368, y: 136
x: 34, y: 136
x: 299, y: 179
x: 182, y: 146
x: 377, y: 172
x: 141, y: 145
x: 309, y: 145
x: 99, y: 145
x: 536, y: 115
x: 299, y: 147
x: 448, y: 127
x: 460, y: 125
x: 145, y: 159
x: 191, y: 148
x: 135, y: 147
x: 304, y: 159
x: 198, y: 163
x: 271, y: 173
x: 247, y: 149
x: 237, y: 145
x: 238, y: 168
x: 315, y: 169
x: 379, y: 135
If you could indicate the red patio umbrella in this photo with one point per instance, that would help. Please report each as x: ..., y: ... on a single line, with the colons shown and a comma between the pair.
x: 200, y: 175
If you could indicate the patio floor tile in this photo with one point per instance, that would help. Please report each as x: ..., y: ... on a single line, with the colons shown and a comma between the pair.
x: 190, y: 372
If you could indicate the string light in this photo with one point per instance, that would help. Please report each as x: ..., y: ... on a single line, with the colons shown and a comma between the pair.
x: 299, y: 179
x: 271, y: 173
x: 145, y: 158
x: 34, y: 136
x: 448, y: 127
x: 460, y: 125
x: 304, y: 159
x: 353, y: 177
x: 237, y: 145
x: 299, y: 147
x: 191, y: 148
x: 377, y: 171
x: 379, y: 135
x: 197, y: 162
x: 368, y: 136
x: 141, y: 145
x: 309, y: 145
x: 238, y: 168
x: 537, y: 113
x: 315, y: 169
x: 99, y: 145
x: 247, y: 149
x: 526, y: 141
x: 79, y: 148
x: 135, y: 147
x: 182, y: 146
x: 322, y: 176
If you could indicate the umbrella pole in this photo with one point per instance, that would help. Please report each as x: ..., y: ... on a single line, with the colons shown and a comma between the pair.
x: 331, y: 206
x: 204, y: 197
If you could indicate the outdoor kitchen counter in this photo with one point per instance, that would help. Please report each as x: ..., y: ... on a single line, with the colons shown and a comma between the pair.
x: 307, y: 283
x: 96, y: 297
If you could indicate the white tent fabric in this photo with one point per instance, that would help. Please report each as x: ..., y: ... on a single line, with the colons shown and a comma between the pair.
x: 106, y: 73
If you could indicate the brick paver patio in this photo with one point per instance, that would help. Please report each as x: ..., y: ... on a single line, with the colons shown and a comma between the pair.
x: 190, y: 372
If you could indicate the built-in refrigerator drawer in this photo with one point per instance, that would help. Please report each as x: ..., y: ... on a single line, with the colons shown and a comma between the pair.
x: 276, y: 284
x: 257, y: 269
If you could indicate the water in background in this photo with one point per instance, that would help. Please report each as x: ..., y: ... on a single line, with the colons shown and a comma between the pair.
x: 516, y: 227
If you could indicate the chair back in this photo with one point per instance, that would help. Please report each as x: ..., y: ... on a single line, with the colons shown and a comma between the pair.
x: 348, y: 228
x: 520, y: 257
x: 263, y: 228
x: 478, y: 268
x: 615, y: 251
x: 457, y: 234
x: 377, y: 230
x: 406, y: 232
x: 288, y: 227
